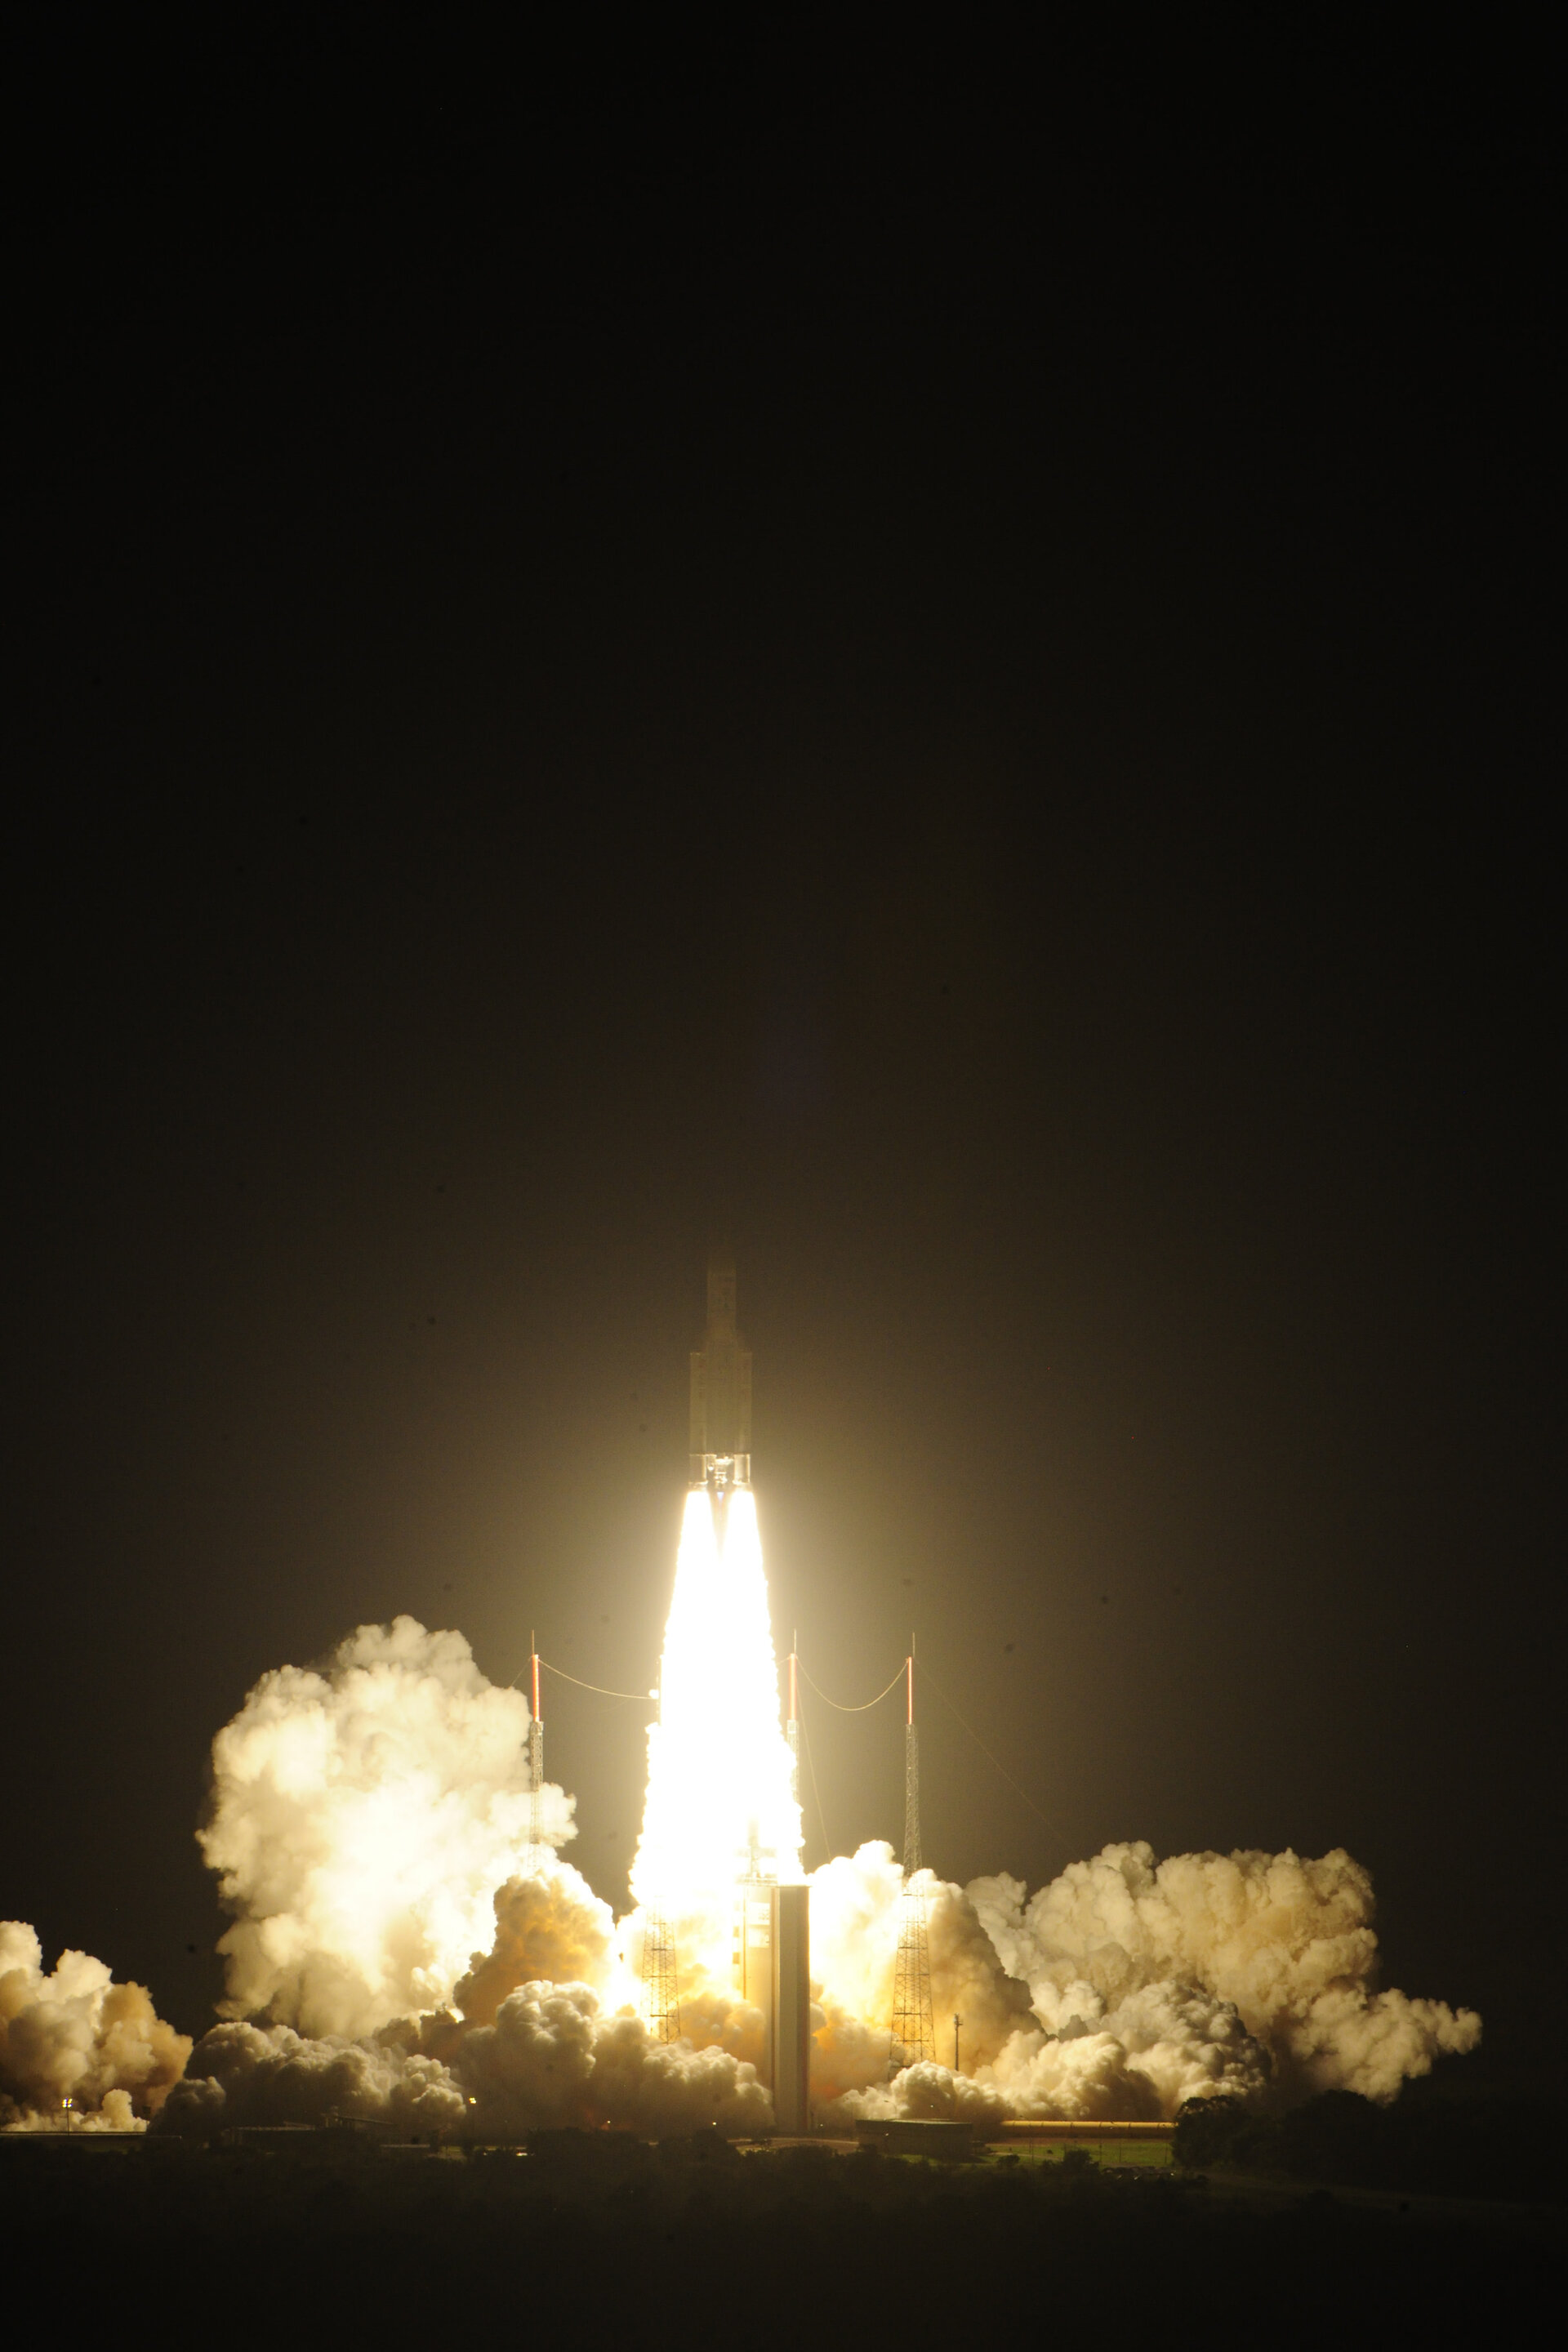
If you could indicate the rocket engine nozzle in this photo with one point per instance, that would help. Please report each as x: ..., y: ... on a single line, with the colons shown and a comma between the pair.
x: 720, y: 1470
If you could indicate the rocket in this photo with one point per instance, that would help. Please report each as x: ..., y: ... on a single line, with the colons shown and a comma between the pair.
x: 721, y: 1389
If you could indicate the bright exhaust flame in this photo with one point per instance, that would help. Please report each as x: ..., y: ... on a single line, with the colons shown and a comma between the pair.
x: 720, y: 1805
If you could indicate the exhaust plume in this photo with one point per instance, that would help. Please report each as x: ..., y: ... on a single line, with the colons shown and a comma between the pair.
x: 718, y: 1768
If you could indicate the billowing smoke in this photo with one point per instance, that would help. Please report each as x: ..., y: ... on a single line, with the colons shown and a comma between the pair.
x: 244, y: 2074
x: 529, y: 2042
x: 365, y: 1817
x: 856, y: 1911
x: 361, y: 1819
x: 1123, y: 1989
x: 397, y: 1964
x: 404, y: 1953
x: 76, y: 2034
x: 552, y: 2056
x: 550, y: 1930
x: 1146, y: 1951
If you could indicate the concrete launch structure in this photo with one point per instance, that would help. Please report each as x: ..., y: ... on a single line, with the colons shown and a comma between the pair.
x: 773, y: 1971
x: 791, y: 2022
x: 772, y: 1952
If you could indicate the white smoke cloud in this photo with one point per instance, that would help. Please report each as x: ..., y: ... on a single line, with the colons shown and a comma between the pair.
x: 1009, y: 2063
x: 527, y: 2045
x: 552, y: 2057
x: 1123, y: 1989
x: 77, y: 2035
x: 391, y: 1958
x: 369, y: 1820
x: 361, y: 1819
x: 1220, y: 1971
x: 856, y: 1910
x: 543, y: 2040
x: 549, y: 1928
x: 269, y: 2074
x: 1139, y: 1985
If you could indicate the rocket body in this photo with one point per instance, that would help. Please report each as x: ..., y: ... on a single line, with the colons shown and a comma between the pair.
x: 721, y: 1390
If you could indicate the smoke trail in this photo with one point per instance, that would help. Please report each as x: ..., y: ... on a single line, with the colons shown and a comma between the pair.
x: 360, y: 1820
x: 77, y: 2035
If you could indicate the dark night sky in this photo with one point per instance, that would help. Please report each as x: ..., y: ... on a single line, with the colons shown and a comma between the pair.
x: 948, y: 670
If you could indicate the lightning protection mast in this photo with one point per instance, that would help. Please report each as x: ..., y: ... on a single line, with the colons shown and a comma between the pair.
x: 535, y: 1770
x: 661, y: 1991
x: 914, y: 2029
x: 791, y: 1728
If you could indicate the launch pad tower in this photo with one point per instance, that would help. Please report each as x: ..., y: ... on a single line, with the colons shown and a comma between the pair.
x: 660, y: 1993
x: 914, y: 2032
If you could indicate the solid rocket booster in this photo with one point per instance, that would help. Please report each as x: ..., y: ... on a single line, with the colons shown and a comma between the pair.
x: 721, y: 1389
